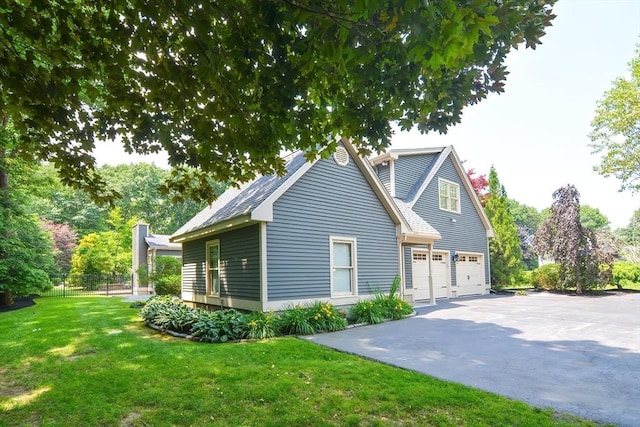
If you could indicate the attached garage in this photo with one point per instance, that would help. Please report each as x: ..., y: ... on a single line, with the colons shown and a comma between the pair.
x: 420, y: 274
x: 470, y: 278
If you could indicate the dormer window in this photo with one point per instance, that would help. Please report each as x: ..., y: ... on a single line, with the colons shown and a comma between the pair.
x: 449, y: 196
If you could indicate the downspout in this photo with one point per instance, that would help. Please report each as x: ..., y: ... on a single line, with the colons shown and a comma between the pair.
x: 401, y: 265
x: 432, y: 296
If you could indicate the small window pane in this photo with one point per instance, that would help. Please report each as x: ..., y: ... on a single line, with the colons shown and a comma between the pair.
x: 215, y: 281
x: 342, y: 254
x: 342, y: 280
x: 213, y: 254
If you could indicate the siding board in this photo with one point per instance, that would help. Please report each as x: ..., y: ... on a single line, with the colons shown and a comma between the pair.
x: 329, y: 200
x: 239, y: 264
x: 408, y: 171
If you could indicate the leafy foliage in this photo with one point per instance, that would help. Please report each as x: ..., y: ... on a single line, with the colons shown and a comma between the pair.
x: 615, y: 129
x: 479, y: 184
x: 219, y: 326
x: 65, y: 242
x: 527, y: 220
x: 168, y: 312
x: 261, y: 325
x: 547, y: 277
x: 504, y: 247
x: 167, y: 275
x: 367, y: 311
x: 26, y: 250
x: 225, y: 87
x: 583, y: 264
x: 296, y: 320
x: 625, y: 273
x: 325, y: 317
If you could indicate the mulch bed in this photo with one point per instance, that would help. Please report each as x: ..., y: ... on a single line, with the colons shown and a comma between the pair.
x: 18, y: 303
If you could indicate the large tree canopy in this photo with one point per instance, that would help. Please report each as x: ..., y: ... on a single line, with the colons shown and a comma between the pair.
x: 225, y: 86
x: 616, y: 129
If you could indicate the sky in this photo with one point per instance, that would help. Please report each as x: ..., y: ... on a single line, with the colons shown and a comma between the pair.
x: 535, y: 134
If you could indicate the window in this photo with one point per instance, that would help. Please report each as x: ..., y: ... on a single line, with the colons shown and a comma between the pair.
x: 343, y: 266
x: 419, y: 256
x: 213, y: 267
x: 473, y: 258
x: 436, y: 257
x: 449, y: 196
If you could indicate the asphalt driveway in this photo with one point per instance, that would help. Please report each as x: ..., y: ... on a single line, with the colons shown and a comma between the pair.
x: 579, y: 355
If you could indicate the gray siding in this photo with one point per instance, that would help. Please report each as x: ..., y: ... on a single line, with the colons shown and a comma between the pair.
x: 193, y: 267
x: 239, y: 264
x: 408, y: 267
x: 408, y: 170
x: 329, y: 200
x: 467, y: 233
x: 384, y: 173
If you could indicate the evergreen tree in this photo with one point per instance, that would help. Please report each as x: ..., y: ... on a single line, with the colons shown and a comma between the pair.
x: 504, y: 248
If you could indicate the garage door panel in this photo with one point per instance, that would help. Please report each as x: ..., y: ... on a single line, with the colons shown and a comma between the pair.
x: 470, y: 275
x: 420, y: 275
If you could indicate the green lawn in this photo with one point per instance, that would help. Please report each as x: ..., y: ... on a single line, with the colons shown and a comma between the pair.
x: 91, y: 361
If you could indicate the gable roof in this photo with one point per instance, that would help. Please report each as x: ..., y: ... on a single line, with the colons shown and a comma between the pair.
x: 431, y: 172
x: 253, y: 201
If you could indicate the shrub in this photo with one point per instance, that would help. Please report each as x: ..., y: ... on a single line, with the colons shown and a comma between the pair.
x: 625, y: 273
x: 546, y: 277
x: 394, y: 307
x: 325, y: 317
x: 168, y: 312
x: 219, y: 326
x: 169, y: 285
x: 143, y: 274
x: 167, y: 276
x: 366, y: 311
x: 262, y: 325
x: 296, y: 320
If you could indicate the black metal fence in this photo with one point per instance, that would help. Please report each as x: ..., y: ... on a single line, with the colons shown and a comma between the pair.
x: 89, y: 284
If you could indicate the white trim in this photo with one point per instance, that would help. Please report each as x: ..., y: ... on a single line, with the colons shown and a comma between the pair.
x: 228, y: 225
x: 392, y: 178
x: 264, y: 211
x: 222, y: 301
x: 457, y: 187
x: 207, y: 268
x: 352, y: 241
x: 338, y: 302
x: 264, y: 291
x: 434, y: 169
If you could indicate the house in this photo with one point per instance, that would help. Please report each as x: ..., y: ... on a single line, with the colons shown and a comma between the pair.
x: 338, y: 230
x: 431, y: 184
x: 146, y: 247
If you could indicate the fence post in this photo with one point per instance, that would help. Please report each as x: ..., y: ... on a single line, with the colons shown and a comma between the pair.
x: 64, y: 286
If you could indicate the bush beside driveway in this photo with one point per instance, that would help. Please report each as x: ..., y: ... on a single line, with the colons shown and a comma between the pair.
x: 574, y: 354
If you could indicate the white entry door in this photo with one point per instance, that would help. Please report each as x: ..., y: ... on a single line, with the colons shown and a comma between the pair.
x: 420, y: 274
x: 470, y: 275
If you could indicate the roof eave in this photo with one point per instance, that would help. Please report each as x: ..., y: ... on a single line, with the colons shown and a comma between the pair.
x: 236, y: 222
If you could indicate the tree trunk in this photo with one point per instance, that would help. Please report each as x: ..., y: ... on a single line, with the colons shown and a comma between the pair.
x: 6, y: 298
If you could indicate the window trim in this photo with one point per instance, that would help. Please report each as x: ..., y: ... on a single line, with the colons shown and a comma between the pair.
x: 449, y: 184
x: 352, y: 241
x: 210, y: 291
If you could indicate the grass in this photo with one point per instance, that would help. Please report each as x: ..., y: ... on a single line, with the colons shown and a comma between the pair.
x: 91, y: 361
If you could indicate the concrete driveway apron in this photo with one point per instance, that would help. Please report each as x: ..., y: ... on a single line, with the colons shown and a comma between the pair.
x: 579, y: 355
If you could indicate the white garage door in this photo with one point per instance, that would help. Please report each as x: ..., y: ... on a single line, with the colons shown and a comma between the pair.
x: 469, y: 275
x: 420, y: 275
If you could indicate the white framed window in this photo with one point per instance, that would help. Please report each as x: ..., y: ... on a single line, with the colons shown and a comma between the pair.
x: 436, y: 257
x: 344, y: 274
x: 213, y: 267
x: 449, y: 195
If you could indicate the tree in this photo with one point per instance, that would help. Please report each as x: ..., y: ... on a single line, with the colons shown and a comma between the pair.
x: 225, y: 87
x: 593, y: 219
x: 479, y: 184
x: 527, y: 220
x: 65, y: 242
x: 629, y: 237
x: 26, y: 251
x: 504, y: 247
x: 615, y: 129
x: 583, y: 264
